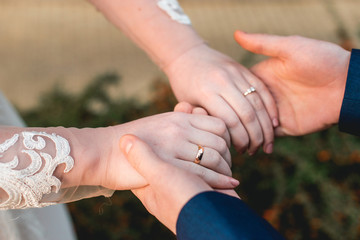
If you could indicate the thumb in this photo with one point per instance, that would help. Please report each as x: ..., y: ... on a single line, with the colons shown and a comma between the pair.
x: 141, y: 157
x: 269, y: 45
x: 184, y: 107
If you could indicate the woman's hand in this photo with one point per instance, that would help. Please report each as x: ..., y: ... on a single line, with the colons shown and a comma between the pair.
x: 199, y: 74
x: 204, y: 77
x: 174, y: 137
x: 306, y: 77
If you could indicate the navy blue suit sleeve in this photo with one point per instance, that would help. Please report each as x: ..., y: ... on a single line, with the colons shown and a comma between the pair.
x: 350, y: 110
x: 216, y: 216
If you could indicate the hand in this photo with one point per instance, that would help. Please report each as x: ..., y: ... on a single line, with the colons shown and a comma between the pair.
x: 169, y: 188
x: 173, y: 137
x: 204, y: 77
x: 306, y: 77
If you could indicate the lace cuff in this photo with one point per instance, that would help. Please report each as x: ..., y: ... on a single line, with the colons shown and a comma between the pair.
x: 27, y: 165
x: 174, y: 10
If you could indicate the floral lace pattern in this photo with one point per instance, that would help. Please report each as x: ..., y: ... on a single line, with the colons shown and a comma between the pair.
x: 173, y: 9
x: 26, y: 187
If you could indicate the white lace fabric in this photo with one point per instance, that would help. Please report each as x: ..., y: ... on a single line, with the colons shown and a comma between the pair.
x: 174, y: 10
x: 26, y: 186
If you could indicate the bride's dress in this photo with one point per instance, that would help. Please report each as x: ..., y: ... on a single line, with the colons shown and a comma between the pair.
x: 49, y: 223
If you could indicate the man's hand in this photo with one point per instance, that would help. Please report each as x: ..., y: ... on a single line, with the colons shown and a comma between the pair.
x: 306, y: 77
x: 169, y: 188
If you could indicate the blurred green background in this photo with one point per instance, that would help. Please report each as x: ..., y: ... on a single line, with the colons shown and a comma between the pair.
x: 309, y: 188
x: 72, y: 68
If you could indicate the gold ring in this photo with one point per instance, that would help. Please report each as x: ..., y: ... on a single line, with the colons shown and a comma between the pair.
x: 199, y: 155
x: 250, y: 90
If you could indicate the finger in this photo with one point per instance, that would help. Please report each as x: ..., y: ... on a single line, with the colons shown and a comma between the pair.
x: 210, y: 140
x: 200, y: 111
x: 281, y: 132
x: 265, y: 123
x: 267, y: 98
x: 214, y: 179
x: 210, y: 125
x: 156, y: 171
x: 247, y: 115
x: 184, y: 107
x: 218, y: 107
x: 210, y: 159
x: 257, y: 103
x: 269, y: 45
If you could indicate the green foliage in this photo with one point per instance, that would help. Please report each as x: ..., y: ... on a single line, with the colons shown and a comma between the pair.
x: 309, y: 188
x: 90, y: 108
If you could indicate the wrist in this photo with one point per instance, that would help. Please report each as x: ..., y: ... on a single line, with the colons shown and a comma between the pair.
x: 188, y: 57
x: 85, y: 151
x: 183, y: 57
x: 109, y: 162
x: 153, y: 30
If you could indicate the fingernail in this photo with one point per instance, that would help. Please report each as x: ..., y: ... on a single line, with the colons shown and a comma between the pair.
x: 275, y: 122
x: 269, y: 148
x: 251, y: 153
x: 234, y: 182
x: 126, y: 145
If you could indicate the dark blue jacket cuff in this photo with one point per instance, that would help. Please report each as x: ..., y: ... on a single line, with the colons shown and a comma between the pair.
x: 350, y: 110
x: 215, y: 216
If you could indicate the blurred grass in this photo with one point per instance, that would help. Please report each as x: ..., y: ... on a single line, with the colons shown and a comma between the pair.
x: 309, y: 188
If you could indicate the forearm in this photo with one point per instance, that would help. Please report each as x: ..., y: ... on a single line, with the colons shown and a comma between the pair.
x: 151, y: 28
x: 40, y: 161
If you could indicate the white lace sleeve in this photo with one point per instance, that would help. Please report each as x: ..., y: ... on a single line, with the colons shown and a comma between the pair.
x: 174, y: 10
x: 27, y: 167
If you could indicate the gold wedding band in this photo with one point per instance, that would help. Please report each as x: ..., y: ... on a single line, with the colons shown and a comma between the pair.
x: 199, y: 154
x: 249, y: 90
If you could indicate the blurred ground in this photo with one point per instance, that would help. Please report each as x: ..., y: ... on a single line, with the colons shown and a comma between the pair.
x: 45, y: 42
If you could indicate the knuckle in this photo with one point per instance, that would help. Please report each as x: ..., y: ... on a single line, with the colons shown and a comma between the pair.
x: 174, y: 130
x: 258, y: 141
x: 260, y: 48
x: 219, y: 76
x: 175, y: 124
x: 248, y: 116
x: 201, y: 172
x: 228, y: 172
x: 221, y: 145
x: 232, y: 121
x: 228, y: 158
x: 244, y: 144
x: 222, y: 127
x: 176, y: 117
x: 233, y: 69
x: 217, y: 159
x: 258, y: 138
